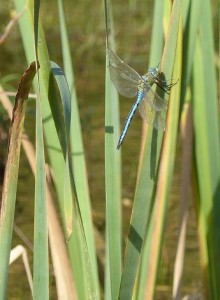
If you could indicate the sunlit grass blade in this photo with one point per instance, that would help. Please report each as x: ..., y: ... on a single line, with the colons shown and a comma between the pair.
x: 78, y: 154
x: 147, y: 174
x: 11, y: 174
x: 153, y: 241
x: 112, y: 175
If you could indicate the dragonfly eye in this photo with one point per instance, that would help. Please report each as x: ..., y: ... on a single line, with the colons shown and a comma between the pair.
x: 154, y: 72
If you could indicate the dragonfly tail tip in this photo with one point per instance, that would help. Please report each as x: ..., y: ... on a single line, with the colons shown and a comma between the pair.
x: 118, y: 146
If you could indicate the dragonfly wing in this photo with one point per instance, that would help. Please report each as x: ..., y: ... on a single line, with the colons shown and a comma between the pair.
x: 124, y: 77
x: 124, y: 85
x: 154, y: 117
x: 154, y: 99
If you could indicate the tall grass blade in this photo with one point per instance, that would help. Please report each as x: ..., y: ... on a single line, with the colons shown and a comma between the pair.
x: 206, y: 124
x: 147, y: 174
x: 153, y: 241
x: 112, y: 175
x: 113, y: 205
x: 78, y: 155
x: 157, y: 34
x: 41, y: 254
x: 11, y: 175
x: 41, y: 259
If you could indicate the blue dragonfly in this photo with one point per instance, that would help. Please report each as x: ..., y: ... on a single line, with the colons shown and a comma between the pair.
x: 129, y: 83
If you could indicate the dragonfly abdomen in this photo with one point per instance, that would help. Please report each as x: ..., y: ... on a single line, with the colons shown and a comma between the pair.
x: 129, y: 118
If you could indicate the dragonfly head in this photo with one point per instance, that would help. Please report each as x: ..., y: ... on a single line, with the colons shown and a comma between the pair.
x: 151, y: 76
x: 154, y: 72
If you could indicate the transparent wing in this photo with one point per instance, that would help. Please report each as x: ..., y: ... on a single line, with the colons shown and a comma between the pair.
x: 124, y: 85
x: 153, y: 110
x: 124, y: 77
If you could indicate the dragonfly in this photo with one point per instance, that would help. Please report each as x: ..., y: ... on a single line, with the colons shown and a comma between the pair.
x: 129, y: 83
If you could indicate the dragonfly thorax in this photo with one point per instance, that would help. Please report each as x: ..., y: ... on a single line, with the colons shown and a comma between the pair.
x: 142, y: 84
